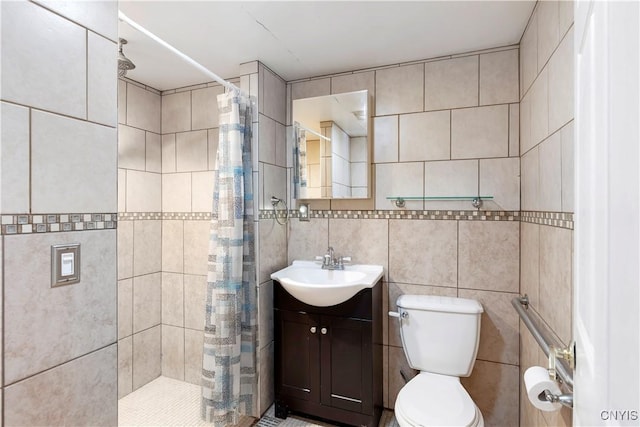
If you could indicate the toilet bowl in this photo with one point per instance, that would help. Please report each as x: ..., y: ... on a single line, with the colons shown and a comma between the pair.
x: 440, y: 337
x: 436, y: 400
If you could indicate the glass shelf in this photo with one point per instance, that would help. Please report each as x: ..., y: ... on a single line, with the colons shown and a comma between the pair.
x: 476, y: 201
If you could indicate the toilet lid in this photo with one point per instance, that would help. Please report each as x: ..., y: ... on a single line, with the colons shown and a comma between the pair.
x: 436, y: 400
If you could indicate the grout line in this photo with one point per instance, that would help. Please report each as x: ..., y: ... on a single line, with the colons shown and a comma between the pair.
x: 56, y: 113
x: 30, y: 195
x: 457, y: 258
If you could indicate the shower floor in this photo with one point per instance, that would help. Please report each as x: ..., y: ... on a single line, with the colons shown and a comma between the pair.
x: 168, y: 402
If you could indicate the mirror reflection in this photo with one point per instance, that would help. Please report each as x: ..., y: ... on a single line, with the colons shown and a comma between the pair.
x: 331, y: 153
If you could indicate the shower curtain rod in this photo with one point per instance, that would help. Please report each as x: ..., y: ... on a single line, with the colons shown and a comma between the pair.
x: 185, y: 57
x: 312, y: 131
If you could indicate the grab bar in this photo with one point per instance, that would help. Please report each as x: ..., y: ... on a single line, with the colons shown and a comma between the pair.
x: 543, y: 337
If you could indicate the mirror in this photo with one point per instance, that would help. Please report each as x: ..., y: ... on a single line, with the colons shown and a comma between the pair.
x: 331, y: 146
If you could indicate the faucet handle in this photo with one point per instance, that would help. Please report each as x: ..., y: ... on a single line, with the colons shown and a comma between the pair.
x: 318, y: 258
x: 345, y: 260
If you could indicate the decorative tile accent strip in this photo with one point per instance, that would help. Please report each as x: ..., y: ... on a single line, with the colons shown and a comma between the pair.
x: 188, y: 216
x: 137, y: 216
x: 553, y: 219
x: 472, y: 215
x: 53, y: 223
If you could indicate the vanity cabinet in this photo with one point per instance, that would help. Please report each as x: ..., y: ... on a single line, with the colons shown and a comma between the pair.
x: 328, y: 360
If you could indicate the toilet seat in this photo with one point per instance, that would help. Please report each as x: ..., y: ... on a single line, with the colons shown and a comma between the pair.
x: 436, y: 400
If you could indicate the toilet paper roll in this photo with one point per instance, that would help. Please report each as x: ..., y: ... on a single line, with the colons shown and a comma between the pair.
x: 536, y: 381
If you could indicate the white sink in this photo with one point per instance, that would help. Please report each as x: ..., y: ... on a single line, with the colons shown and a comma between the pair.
x: 309, y: 283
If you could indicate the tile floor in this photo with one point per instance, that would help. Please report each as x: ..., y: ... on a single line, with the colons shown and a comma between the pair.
x: 168, y: 402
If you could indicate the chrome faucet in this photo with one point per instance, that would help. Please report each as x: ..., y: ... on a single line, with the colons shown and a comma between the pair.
x: 329, y: 262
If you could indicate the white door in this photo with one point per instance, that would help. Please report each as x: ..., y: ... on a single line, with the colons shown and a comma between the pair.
x: 607, y: 232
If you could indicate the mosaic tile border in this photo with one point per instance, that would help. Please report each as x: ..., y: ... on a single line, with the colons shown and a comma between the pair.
x: 553, y: 219
x: 185, y: 216
x: 54, y: 223
x: 470, y: 215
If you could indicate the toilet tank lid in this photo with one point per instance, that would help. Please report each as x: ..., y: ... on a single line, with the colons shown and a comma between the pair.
x: 439, y: 303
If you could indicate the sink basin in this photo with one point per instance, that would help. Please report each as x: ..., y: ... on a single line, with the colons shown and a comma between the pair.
x: 309, y: 283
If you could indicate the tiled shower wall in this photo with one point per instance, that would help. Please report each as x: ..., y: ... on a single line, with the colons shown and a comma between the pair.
x: 546, y: 91
x: 445, y: 127
x: 58, y: 180
x: 139, y: 236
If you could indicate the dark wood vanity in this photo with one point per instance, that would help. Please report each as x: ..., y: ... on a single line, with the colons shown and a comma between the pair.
x: 328, y: 360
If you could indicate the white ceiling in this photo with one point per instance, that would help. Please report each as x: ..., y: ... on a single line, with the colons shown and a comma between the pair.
x: 309, y: 38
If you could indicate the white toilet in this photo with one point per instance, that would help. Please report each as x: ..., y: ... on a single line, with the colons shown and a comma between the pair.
x: 440, y: 337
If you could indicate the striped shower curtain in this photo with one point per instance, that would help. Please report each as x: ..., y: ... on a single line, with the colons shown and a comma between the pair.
x: 229, y: 382
x: 299, y: 163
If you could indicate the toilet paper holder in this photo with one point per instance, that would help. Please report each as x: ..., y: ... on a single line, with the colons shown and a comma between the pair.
x: 565, y: 353
x: 563, y: 399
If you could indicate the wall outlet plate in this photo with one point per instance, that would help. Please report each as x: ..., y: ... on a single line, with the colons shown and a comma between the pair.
x: 65, y: 264
x: 304, y: 210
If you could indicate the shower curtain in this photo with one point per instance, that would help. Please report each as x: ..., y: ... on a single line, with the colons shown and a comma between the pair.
x: 299, y: 163
x: 229, y: 382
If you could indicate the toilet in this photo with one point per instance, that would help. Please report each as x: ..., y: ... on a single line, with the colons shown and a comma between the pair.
x: 440, y: 337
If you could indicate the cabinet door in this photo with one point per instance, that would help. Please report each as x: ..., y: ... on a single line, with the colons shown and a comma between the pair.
x: 297, y: 355
x: 346, y: 369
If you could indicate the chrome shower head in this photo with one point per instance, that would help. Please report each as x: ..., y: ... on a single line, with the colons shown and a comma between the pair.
x: 124, y: 63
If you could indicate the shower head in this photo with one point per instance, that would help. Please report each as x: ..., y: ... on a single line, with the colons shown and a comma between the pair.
x: 124, y: 63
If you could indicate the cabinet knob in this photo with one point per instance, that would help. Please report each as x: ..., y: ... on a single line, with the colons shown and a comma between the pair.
x: 323, y: 331
x: 313, y: 329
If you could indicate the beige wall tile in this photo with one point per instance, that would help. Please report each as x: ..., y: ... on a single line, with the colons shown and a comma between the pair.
x: 143, y: 192
x: 125, y: 249
x: 282, y: 151
x: 265, y: 313
x: 425, y: 136
x: 385, y: 139
x: 172, y: 299
x: 451, y: 178
x: 147, y: 249
x: 274, y: 96
x: 172, y: 246
x: 397, y: 289
x: 488, y: 255
x: 102, y: 85
x: 168, y: 153
x: 494, y: 389
x: 143, y: 109
x: 556, y: 281
x: 131, y: 148
x: 530, y: 177
x: 514, y: 130
x: 153, y: 152
x: 399, y: 179
x: 39, y: 76
x: 81, y: 392
x: 423, y: 252
x: 551, y: 174
x: 202, y: 184
x: 548, y: 31
x: 451, y: 83
x: 499, y: 77
x: 212, y: 142
x: 565, y: 16
x: 99, y: 17
x: 147, y: 297
x: 400, y: 90
x: 267, y: 142
x: 310, y: 89
x: 267, y: 380
x: 272, y: 244
x: 193, y: 342
x: 530, y: 262
x: 499, y: 328
x: 147, y: 356
x: 173, y: 352
x: 47, y: 334
x: 306, y: 240
x: 353, y: 82
x: 125, y: 366
x: 176, y: 112
x: 195, y: 298
x: 14, y: 158
x: 191, y: 151
x: 196, y: 252
x: 204, y: 105
x: 275, y: 184
x: 122, y: 190
x: 529, y: 55
x: 567, y: 167
x: 561, y: 79
x: 526, y: 143
x: 397, y: 362
x: 125, y: 308
x: 88, y: 149
x: 176, y: 192
x: 500, y: 178
x: 480, y: 132
x: 540, y: 108
x: 365, y: 241
x: 122, y: 102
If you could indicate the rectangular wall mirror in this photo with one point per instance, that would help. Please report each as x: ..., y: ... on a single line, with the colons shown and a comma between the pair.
x: 332, y: 146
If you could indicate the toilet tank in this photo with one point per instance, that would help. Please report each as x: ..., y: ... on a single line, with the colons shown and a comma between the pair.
x: 440, y: 334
